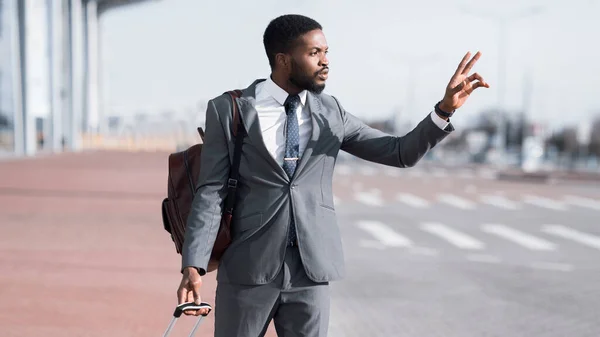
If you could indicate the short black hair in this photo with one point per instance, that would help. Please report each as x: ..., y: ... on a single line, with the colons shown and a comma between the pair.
x: 282, y: 32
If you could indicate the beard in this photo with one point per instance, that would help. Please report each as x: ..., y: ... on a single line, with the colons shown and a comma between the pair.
x: 305, y: 80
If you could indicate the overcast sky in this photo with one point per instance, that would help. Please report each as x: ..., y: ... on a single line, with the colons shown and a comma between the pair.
x: 170, y: 54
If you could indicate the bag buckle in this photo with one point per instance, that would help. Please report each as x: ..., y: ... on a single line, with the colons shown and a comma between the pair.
x: 232, y: 183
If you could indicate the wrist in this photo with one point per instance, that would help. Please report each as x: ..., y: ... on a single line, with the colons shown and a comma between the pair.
x: 191, y: 270
x: 445, y: 108
x: 443, y: 111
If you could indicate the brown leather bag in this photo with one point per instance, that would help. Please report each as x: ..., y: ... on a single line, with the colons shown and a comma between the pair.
x: 184, y: 168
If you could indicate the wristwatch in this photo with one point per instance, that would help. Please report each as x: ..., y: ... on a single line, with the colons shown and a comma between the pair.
x: 442, y: 113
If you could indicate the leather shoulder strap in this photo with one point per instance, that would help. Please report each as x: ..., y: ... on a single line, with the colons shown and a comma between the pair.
x: 236, y: 114
x: 237, y: 154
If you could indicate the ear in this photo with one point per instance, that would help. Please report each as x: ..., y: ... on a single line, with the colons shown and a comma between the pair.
x: 282, y: 60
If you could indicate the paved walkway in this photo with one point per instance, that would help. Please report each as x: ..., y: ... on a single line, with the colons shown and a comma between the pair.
x: 83, y: 251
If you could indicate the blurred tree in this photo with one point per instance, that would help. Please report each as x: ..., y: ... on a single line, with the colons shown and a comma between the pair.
x: 594, y: 146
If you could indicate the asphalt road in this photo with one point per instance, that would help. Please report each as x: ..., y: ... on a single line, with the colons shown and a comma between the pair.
x: 454, y: 252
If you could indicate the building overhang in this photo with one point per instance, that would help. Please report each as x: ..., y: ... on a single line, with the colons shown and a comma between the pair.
x: 106, y: 5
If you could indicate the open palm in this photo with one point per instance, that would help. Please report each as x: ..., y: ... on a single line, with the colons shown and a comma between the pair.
x: 462, y: 84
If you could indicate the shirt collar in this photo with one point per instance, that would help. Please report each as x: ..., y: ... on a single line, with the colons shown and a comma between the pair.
x: 279, y: 94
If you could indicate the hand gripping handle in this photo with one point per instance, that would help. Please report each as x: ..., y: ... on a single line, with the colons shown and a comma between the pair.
x: 187, y: 306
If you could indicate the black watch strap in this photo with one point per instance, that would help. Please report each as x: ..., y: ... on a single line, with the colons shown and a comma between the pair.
x: 442, y: 113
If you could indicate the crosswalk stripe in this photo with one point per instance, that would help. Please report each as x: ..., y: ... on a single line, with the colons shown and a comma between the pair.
x: 384, y: 234
x: 343, y: 169
x: 453, y: 236
x: 583, y: 202
x: 367, y: 171
x: 393, y: 172
x: 369, y: 198
x: 415, y: 172
x: 412, y: 200
x: 545, y: 203
x: 521, y: 238
x: 455, y: 201
x: 571, y: 234
x: 499, y: 201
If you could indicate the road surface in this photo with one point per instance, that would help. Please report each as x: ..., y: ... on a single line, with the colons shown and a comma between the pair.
x: 453, y: 252
x: 430, y: 252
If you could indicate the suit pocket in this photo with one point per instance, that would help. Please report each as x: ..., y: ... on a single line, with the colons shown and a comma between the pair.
x: 245, y: 223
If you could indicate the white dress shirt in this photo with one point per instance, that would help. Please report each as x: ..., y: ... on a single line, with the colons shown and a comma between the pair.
x: 271, y: 117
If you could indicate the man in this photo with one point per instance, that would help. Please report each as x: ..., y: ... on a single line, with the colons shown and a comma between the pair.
x: 286, y: 246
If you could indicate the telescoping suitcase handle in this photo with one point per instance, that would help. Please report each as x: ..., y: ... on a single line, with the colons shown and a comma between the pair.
x: 188, y: 306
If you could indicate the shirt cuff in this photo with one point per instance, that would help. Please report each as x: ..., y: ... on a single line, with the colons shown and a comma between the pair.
x: 441, y: 123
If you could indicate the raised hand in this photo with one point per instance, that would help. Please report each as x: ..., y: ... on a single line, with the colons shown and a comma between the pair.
x: 462, y: 84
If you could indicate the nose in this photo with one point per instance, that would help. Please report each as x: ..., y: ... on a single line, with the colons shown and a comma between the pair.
x: 324, y: 60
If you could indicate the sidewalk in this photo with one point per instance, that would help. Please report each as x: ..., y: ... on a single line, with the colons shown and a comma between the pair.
x: 555, y: 176
x: 83, y: 251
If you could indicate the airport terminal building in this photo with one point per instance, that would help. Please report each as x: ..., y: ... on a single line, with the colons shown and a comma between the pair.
x: 49, y: 73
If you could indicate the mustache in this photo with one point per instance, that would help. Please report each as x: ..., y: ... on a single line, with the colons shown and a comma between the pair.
x: 322, y: 70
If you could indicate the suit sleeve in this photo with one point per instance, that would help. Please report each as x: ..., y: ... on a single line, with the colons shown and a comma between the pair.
x: 377, y: 146
x: 206, y: 209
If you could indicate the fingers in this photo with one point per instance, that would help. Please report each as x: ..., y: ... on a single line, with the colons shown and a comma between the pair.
x: 471, y: 63
x: 190, y: 298
x: 478, y: 85
x: 197, y: 298
x: 461, y: 66
x: 478, y: 77
x: 196, y: 285
x: 182, y: 293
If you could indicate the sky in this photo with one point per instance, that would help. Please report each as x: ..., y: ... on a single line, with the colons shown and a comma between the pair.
x: 173, y: 54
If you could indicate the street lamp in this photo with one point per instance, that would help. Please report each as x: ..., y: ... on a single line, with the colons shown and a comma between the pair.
x: 503, y: 20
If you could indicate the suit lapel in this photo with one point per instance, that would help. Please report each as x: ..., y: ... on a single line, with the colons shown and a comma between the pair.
x: 314, y: 107
x: 250, y: 119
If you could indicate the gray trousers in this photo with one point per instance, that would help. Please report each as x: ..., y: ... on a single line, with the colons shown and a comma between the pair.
x: 298, y: 306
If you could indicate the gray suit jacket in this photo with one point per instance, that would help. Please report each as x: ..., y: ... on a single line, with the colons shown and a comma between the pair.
x: 267, y: 198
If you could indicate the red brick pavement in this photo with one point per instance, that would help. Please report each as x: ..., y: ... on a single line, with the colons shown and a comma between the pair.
x: 83, y: 251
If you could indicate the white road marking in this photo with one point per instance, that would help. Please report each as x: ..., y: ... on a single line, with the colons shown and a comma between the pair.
x: 384, y: 234
x: 393, y: 172
x: 457, y: 202
x: 453, y: 236
x: 439, y: 173
x: 367, y: 171
x: 544, y: 203
x: 518, y: 237
x: 583, y: 202
x: 499, y: 201
x: 370, y: 199
x: 415, y: 172
x: 412, y: 200
x: 343, y: 169
x: 574, y: 235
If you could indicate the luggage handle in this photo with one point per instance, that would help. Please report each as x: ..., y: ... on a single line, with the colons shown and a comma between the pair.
x: 188, y: 306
